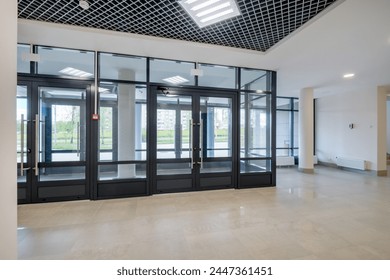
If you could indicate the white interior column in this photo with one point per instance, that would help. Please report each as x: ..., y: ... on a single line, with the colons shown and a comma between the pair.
x: 306, y: 131
x: 126, y: 123
x: 8, y: 198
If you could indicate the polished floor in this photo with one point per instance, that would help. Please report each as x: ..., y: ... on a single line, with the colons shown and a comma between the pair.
x: 332, y: 214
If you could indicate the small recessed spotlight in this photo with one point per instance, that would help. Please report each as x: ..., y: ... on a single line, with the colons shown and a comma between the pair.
x: 84, y: 4
x: 349, y: 75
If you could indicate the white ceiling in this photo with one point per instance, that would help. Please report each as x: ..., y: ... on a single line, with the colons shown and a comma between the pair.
x: 354, y: 37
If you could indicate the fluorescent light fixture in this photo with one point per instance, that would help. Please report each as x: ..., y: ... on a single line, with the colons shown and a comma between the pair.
x: 176, y: 80
x: 204, y: 4
x: 350, y: 75
x: 207, y: 12
x: 75, y: 72
x: 213, y: 9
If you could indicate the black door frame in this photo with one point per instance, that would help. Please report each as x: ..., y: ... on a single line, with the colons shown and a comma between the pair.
x: 196, y: 176
x: 44, y: 191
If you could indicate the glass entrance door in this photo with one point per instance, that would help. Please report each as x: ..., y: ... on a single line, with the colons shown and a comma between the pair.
x: 52, y: 136
x: 194, y: 140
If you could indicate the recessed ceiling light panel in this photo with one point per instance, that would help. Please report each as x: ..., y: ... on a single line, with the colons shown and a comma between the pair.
x: 207, y: 12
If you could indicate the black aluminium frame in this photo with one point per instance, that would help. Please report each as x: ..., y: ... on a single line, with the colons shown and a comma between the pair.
x: 291, y: 110
x: 147, y: 189
x: 196, y: 177
x: 33, y: 187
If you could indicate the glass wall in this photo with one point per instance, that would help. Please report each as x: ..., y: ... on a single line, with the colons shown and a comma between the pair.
x: 122, y: 131
x: 65, y: 62
x: 171, y: 72
x: 254, y: 79
x: 256, y: 122
x: 255, y: 132
x: 23, y: 58
x: 217, y: 76
x: 233, y: 108
x: 121, y: 67
x: 287, y: 126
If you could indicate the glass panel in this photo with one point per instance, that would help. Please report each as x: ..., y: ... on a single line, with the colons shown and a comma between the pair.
x: 66, y: 62
x: 283, y: 132
x: 171, y: 72
x: 122, y: 171
x: 216, y: 133
x: 283, y: 103
x: 121, y: 67
x: 255, y: 165
x: 173, y: 126
x: 21, y: 128
x: 252, y: 79
x: 23, y: 61
x: 62, y: 127
x: 62, y: 173
x: 173, y: 168
x: 217, y: 76
x: 122, y: 125
x: 255, y: 130
x: 282, y: 152
x: 216, y: 167
x: 296, y: 151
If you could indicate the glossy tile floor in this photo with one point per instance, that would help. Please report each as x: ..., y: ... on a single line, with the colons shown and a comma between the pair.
x: 332, y: 214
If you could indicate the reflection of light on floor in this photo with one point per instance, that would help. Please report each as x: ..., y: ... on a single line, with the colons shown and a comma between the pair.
x: 21, y: 228
x: 302, y: 193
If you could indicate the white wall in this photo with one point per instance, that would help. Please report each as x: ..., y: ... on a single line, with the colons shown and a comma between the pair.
x: 34, y: 32
x: 8, y: 210
x: 333, y: 136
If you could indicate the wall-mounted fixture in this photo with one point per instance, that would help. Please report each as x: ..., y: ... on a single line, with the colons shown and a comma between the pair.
x: 197, y: 71
x: 351, y: 126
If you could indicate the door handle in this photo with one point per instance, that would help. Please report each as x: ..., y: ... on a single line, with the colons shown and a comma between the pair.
x: 190, y: 146
x: 78, y: 139
x: 201, y: 143
x: 36, y: 170
x: 22, y: 168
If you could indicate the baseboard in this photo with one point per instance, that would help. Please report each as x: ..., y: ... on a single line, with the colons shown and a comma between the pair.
x: 306, y: 170
x: 381, y: 173
x: 328, y: 164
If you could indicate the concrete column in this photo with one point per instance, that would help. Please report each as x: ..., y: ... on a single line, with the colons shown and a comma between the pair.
x: 306, y: 130
x: 126, y: 123
x: 8, y: 187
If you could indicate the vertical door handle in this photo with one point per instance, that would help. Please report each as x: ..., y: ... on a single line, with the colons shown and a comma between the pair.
x: 201, y: 143
x: 36, y: 145
x: 78, y: 139
x: 190, y: 146
x: 22, y: 145
x: 22, y: 168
